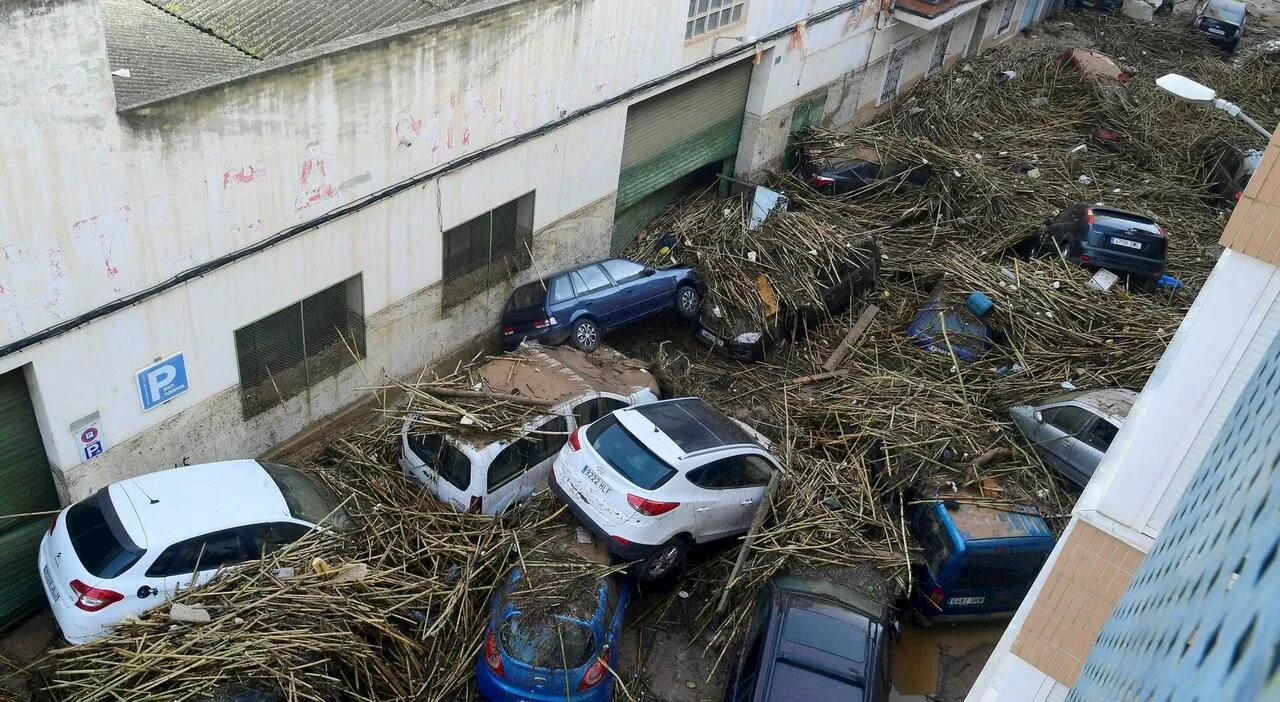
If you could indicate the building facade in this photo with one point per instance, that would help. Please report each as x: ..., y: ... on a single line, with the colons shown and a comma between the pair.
x: 223, y: 221
x: 1172, y: 518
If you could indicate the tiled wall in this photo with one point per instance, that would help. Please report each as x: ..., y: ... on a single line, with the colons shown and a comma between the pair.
x: 1091, y: 573
x: 1254, y: 228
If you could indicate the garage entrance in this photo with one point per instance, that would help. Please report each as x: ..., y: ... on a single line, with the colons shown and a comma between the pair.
x: 670, y: 137
x: 28, y: 487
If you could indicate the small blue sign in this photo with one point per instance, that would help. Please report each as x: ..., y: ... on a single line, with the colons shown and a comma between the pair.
x: 162, y: 381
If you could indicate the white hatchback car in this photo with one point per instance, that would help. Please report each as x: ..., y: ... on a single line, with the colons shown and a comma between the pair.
x: 133, y: 544
x: 652, y: 480
x: 486, y: 474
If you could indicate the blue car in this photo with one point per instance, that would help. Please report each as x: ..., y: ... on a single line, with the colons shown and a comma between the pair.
x: 554, y: 655
x: 581, y: 304
x: 979, y: 561
x: 966, y: 335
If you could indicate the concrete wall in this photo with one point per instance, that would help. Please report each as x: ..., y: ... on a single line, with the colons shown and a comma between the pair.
x: 99, y: 205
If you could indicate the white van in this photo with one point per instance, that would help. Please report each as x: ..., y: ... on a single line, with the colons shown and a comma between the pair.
x: 486, y: 474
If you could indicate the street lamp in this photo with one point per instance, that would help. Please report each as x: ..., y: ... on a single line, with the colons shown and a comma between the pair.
x: 745, y: 39
x: 1191, y: 91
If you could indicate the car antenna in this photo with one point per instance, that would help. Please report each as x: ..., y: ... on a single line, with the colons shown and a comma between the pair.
x: 153, y: 500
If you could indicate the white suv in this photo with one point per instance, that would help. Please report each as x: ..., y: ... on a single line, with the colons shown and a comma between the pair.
x: 652, y: 480
x: 133, y: 544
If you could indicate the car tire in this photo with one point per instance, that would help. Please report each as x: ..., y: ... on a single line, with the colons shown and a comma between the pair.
x: 665, y: 561
x: 1150, y: 283
x: 687, y: 302
x: 584, y: 335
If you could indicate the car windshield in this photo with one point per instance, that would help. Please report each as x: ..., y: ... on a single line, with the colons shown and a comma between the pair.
x: 547, y: 641
x: 443, y: 457
x: 630, y: 458
x: 308, y: 499
x: 529, y: 295
x: 99, y: 539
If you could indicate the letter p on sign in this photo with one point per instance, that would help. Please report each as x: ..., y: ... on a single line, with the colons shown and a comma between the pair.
x: 162, y: 381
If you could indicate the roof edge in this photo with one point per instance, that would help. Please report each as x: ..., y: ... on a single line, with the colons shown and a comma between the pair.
x: 271, y: 65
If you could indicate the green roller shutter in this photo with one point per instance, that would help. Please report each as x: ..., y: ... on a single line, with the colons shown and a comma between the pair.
x: 28, y: 487
x: 674, y: 134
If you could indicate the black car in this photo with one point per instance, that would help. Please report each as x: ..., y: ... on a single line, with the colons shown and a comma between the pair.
x: 1220, y: 21
x: 1227, y: 168
x: 836, y: 176
x: 814, y: 640
x: 1104, y: 237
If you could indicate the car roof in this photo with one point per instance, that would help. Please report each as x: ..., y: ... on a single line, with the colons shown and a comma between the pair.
x: 977, y: 522
x: 1106, y: 211
x: 692, y: 425
x: 170, y: 505
x: 1225, y: 10
x: 818, y: 646
x: 1113, y: 403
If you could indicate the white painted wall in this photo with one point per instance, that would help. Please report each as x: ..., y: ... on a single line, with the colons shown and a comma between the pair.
x: 97, y: 205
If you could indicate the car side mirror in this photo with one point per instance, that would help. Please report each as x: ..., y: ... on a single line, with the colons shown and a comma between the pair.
x: 1039, y: 416
x: 648, y: 272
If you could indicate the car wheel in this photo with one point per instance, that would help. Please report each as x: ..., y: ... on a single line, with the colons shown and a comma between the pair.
x: 1150, y: 283
x: 665, y: 560
x: 687, y: 301
x: 585, y: 335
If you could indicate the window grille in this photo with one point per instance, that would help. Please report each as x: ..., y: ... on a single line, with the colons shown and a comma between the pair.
x: 487, y: 250
x: 707, y: 16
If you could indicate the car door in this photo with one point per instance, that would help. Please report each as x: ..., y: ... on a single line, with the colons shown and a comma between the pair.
x: 267, y: 538
x: 596, y: 295
x: 1094, y: 441
x: 196, y: 560
x: 1058, y: 435
x: 595, y: 406
x: 560, y: 299
x: 641, y: 292
x: 729, y: 491
x: 540, y: 452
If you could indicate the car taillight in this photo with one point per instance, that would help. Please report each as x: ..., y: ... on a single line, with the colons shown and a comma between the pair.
x: 54, y: 524
x: 508, y: 330
x: 650, y: 508
x: 1084, y: 258
x: 937, y: 596
x: 491, y: 656
x: 544, y: 323
x: 92, y: 599
x: 1160, y: 230
x: 594, y: 675
x: 477, y: 504
x: 1236, y: 195
x: 574, y: 442
x: 821, y: 181
x: 1088, y: 216
x: 621, y: 541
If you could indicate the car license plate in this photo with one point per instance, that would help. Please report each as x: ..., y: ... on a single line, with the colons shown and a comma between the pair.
x: 596, y: 479
x: 1219, y: 32
x: 712, y: 338
x: 1125, y: 243
x: 966, y: 600
x: 53, y: 590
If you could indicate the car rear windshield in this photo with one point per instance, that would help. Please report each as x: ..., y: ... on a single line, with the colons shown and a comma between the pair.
x: 443, y: 457
x: 983, y: 570
x: 529, y: 295
x: 1112, y: 224
x: 548, y: 641
x: 630, y: 458
x: 934, y: 541
x: 308, y: 499
x: 99, y: 539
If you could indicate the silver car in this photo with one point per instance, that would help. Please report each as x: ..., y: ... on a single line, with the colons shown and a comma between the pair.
x: 1072, y: 432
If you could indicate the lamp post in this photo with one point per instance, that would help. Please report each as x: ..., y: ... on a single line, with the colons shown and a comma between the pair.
x: 1191, y: 91
x: 745, y: 39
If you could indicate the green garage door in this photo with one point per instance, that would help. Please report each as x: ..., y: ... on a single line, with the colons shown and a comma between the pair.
x: 27, y: 487
x: 671, y: 135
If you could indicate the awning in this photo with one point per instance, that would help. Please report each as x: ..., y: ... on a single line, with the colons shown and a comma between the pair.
x: 931, y: 23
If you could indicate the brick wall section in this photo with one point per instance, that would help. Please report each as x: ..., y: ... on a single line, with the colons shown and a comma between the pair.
x: 1254, y: 228
x: 1092, y: 572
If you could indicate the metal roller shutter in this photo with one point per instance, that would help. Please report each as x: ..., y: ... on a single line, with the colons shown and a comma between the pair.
x: 676, y: 133
x: 24, y: 471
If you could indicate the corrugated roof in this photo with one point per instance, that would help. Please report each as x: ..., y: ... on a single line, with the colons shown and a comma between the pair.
x: 172, y: 46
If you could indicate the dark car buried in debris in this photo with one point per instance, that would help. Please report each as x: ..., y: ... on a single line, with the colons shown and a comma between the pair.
x: 814, y: 640
x: 580, y: 305
x: 839, y: 175
x: 1220, y: 21
x: 542, y: 648
x: 1095, y: 236
x: 1227, y: 168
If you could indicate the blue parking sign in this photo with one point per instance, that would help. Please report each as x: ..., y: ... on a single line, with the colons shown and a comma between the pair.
x: 162, y: 381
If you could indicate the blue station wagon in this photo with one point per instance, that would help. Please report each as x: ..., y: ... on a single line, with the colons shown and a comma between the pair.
x: 579, y: 305
x: 979, y: 561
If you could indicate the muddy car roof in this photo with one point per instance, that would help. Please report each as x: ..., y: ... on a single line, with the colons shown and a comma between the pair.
x: 1116, y: 403
x: 561, y: 373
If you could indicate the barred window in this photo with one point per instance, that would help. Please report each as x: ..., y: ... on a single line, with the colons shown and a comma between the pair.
x: 284, y: 353
x: 709, y: 15
x: 1006, y: 17
x: 487, y: 250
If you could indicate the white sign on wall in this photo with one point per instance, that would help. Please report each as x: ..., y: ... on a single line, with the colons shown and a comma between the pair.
x: 88, y: 434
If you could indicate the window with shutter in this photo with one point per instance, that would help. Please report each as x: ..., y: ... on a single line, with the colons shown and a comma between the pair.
x: 487, y: 250
x: 287, y: 351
